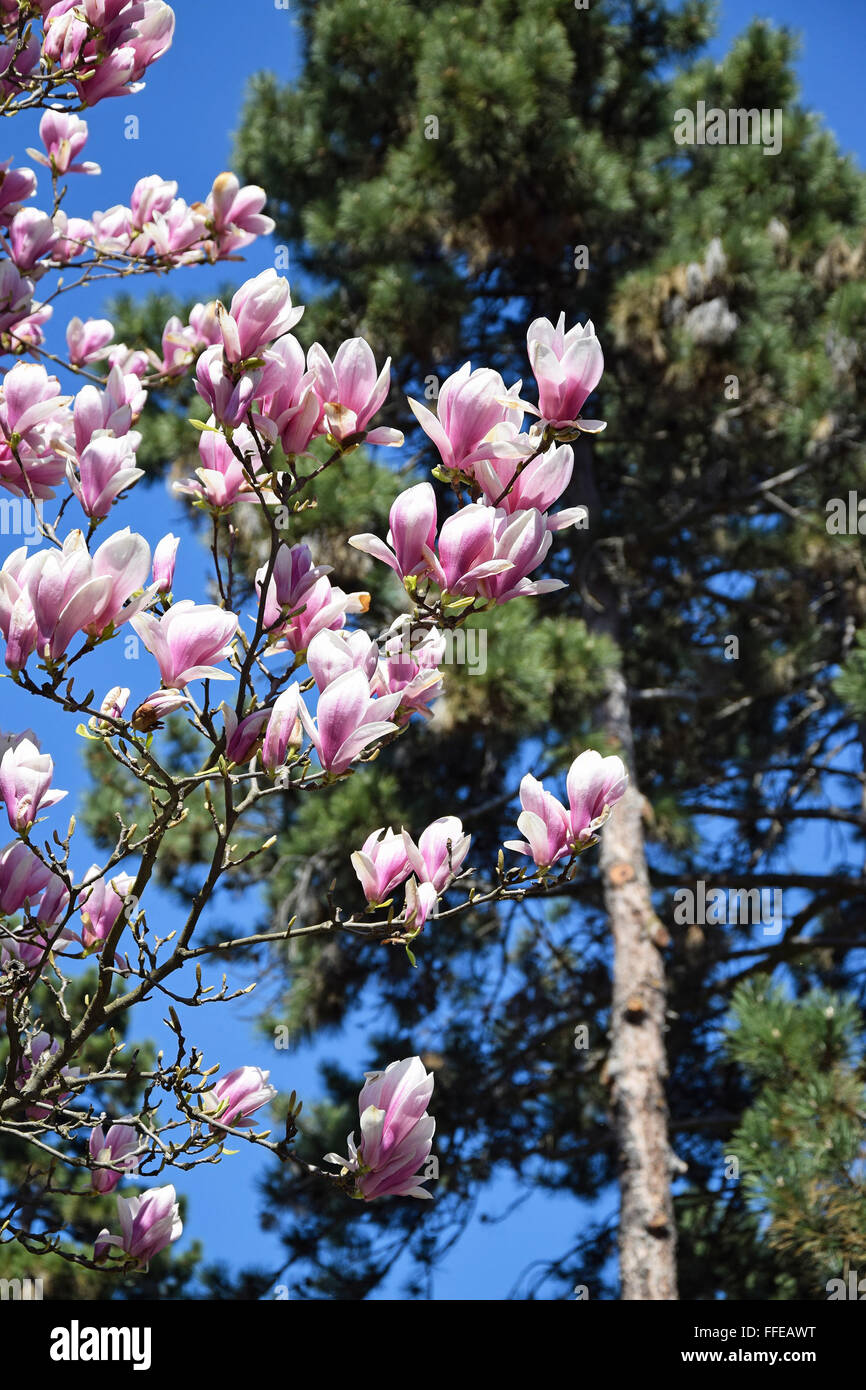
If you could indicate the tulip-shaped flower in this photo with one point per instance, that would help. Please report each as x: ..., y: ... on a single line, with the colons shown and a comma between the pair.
x: 223, y: 479
x: 472, y: 408
x: 552, y: 830
x: 260, y: 312
x: 567, y: 368
x: 164, y: 558
x: 439, y: 853
x: 64, y: 136
x: 102, y: 904
x: 348, y: 720
x: 350, y: 390
x: 237, y: 213
x: 421, y: 900
x: 412, y: 669
x: 536, y: 487
x: 228, y: 398
x: 236, y: 1097
x: 380, y: 864
x: 243, y: 737
x: 283, y: 730
x: 25, y: 784
x: 396, y: 1133
x: 331, y: 654
x: 301, y: 593
x: 411, y: 537
x: 521, y: 540
x: 117, y: 1149
x: 149, y: 1223
x: 88, y: 342
x: 594, y: 784
x: 105, y: 468
x: 22, y: 877
x: 187, y: 640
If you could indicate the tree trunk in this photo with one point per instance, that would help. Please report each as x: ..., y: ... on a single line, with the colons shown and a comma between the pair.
x: 637, y: 1066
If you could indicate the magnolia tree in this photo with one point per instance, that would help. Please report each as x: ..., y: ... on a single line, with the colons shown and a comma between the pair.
x: 309, y: 698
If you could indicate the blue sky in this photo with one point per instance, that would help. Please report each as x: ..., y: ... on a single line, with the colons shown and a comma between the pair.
x: 186, y: 116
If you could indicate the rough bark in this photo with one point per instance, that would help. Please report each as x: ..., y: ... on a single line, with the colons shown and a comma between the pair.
x: 637, y: 1065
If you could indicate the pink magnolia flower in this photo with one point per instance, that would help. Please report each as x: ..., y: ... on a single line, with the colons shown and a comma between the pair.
x: 283, y: 729
x: 22, y: 877
x: 411, y: 668
x: 260, y: 311
x: 70, y: 591
x: 236, y: 213
x: 32, y: 236
x: 117, y: 1149
x: 301, y: 602
x: 30, y: 399
x: 16, y: 296
x: 163, y: 562
x: 567, y: 368
x: 468, y: 553
x: 175, y: 235
x: 25, y: 784
x: 420, y: 903
x: 106, y: 467
x: 101, y: 904
x: 348, y: 720
x: 439, y: 853
x: 149, y: 1223
x: 243, y: 737
x: 187, y: 640
x: 522, y: 540
x: 411, y: 537
x: 16, y: 186
x: 286, y: 396
x: 380, y: 864
x: 151, y: 195
x: 64, y: 136
x: 472, y: 408
x: 536, y: 488
x: 236, y: 1097
x: 350, y: 391
x: 594, y: 785
x: 74, y: 236
x: 88, y: 342
x: 228, y: 399
x: 112, y: 410
x: 223, y: 479
x: 330, y: 654
x: 396, y: 1133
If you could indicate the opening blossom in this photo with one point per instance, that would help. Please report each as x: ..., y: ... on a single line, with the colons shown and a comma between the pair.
x: 567, y: 368
x: 117, y: 1148
x: 236, y: 1097
x: 396, y: 1133
x: 594, y: 785
x: 25, y: 784
x: 187, y: 640
x: 348, y: 720
x: 439, y: 853
x: 148, y: 1223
